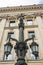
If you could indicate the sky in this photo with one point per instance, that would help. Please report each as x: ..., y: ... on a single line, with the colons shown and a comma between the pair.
x: 9, y: 3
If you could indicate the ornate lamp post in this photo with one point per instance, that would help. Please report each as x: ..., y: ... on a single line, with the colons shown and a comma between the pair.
x: 21, y: 45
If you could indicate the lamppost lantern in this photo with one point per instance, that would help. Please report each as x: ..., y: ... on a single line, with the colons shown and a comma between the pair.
x: 34, y: 47
x: 7, y: 48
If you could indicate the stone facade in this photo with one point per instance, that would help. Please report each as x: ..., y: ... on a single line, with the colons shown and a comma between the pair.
x: 32, y: 13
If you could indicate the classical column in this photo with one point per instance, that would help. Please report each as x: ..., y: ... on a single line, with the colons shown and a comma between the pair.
x: 2, y: 25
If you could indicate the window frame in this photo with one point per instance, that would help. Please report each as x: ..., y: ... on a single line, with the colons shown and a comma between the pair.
x: 30, y: 35
x: 9, y: 34
x: 30, y: 22
x: 12, y: 23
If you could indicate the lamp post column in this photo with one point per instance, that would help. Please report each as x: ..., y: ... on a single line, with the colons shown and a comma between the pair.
x: 21, y: 47
x: 21, y: 29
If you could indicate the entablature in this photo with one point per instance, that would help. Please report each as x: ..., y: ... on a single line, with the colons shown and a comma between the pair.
x: 21, y: 8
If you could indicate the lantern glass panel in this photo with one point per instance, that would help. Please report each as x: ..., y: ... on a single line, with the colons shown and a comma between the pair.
x: 9, y: 48
x: 5, y: 48
x: 35, y: 48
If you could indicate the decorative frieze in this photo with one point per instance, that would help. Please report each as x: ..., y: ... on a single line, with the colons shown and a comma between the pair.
x: 21, y: 8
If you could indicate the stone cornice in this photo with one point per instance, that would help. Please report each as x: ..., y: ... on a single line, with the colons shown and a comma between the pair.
x: 21, y: 8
